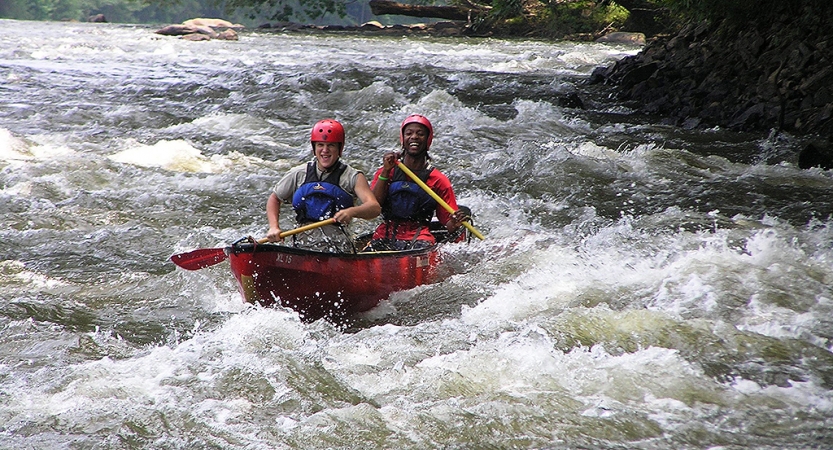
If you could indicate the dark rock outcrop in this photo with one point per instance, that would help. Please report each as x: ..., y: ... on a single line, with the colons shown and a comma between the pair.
x: 760, y: 77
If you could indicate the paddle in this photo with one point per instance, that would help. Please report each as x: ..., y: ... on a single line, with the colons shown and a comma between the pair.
x: 436, y: 197
x: 206, y: 257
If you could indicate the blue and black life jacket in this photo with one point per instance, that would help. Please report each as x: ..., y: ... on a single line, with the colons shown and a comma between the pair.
x: 406, y: 201
x: 317, y: 200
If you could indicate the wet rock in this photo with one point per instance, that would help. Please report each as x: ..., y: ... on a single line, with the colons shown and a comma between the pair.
x: 281, y: 26
x: 212, y: 23
x: 196, y: 37
x: 774, y: 76
x: 371, y: 26
x: 444, y: 28
x: 228, y: 35
x: 638, y: 74
x: 622, y: 37
x: 182, y: 30
x: 202, y: 30
x: 816, y: 154
x: 571, y: 100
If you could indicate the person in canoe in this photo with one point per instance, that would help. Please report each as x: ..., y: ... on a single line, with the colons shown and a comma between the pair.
x: 321, y: 189
x: 407, y: 210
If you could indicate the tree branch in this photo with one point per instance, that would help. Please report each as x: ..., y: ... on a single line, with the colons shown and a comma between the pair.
x: 382, y: 7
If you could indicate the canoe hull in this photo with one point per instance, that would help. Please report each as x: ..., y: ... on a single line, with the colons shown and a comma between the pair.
x: 318, y: 284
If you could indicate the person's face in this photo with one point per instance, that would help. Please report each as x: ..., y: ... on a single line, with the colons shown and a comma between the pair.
x: 326, y: 153
x: 414, y: 138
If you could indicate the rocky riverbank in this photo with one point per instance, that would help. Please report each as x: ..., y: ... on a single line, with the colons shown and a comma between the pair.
x: 759, y: 78
x: 443, y: 28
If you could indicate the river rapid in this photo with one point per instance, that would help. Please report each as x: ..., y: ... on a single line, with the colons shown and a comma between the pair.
x: 639, y: 287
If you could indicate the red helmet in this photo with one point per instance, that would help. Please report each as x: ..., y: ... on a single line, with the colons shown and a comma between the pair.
x: 328, y: 130
x: 420, y: 119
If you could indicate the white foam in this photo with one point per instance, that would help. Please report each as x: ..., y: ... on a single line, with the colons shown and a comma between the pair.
x: 13, y: 148
x: 177, y: 155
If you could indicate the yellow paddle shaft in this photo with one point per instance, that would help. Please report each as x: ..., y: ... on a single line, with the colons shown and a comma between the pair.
x: 436, y: 197
x: 308, y: 227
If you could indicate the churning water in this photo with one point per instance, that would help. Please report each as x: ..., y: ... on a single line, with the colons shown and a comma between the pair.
x: 639, y: 286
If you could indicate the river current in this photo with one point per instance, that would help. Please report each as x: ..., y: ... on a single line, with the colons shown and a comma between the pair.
x: 640, y: 286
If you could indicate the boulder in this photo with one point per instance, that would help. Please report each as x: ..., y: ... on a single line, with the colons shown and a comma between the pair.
x: 816, y: 154
x: 622, y: 37
x: 228, y: 35
x: 373, y: 25
x: 198, y: 33
x: 212, y: 23
x: 196, y: 37
x: 182, y: 30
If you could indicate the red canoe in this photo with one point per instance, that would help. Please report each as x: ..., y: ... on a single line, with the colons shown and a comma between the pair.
x: 319, y: 284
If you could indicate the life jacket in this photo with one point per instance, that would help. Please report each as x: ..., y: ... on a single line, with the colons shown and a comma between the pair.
x: 406, y: 201
x: 317, y: 200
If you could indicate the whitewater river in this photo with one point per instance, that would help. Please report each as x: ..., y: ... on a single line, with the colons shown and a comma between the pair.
x: 639, y: 287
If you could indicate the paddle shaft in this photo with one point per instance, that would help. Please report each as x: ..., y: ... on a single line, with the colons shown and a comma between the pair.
x: 307, y: 227
x: 436, y: 197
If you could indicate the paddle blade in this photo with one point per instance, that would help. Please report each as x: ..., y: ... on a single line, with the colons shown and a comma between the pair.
x: 198, y: 259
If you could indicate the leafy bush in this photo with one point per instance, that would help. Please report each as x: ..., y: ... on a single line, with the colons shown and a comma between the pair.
x: 120, y: 11
x: 506, y: 9
x: 583, y: 16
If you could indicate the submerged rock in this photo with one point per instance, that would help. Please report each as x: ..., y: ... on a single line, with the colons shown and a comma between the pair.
x: 816, y: 154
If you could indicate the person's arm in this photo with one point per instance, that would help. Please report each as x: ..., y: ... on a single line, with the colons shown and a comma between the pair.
x: 455, y: 220
x: 284, y: 189
x: 369, y: 208
x: 381, y: 181
x: 442, y: 186
x: 273, y: 214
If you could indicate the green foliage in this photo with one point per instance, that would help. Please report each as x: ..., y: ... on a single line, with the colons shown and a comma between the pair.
x: 549, y: 18
x: 505, y: 9
x: 289, y: 10
x: 505, y: 15
x: 248, y: 12
x: 26, y: 10
x: 119, y: 11
x: 583, y: 16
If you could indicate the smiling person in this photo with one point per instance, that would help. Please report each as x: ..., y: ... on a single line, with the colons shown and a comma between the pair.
x: 321, y: 189
x: 406, y: 208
